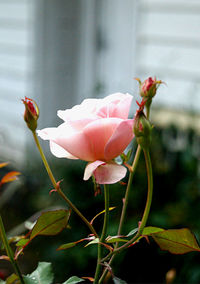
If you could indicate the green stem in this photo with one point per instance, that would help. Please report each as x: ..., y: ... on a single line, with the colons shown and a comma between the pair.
x: 103, y: 234
x: 148, y: 106
x: 126, y: 198
x: 58, y: 189
x: 125, y: 204
x: 150, y: 193
x: 146, y: 211
x: 9, y: 251
x: 127, y: 194
x: 134, y: 166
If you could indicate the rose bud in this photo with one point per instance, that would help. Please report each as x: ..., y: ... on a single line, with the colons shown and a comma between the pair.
x: 31, y: 113
x: 142, y: 129
x: 149, y: 87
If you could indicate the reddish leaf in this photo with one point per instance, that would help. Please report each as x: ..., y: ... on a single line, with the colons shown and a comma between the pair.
x: 148, y: 231
x: 178, y: 241
x: 73, y: 244
x: 114, y: 239
x: 4, y: 257
x: 67, y: 246
x: 11, y: 176
x: 50, y: 223
x: 13, y: 279
x: 88, y: 278
x: 3, y: 164
x: 22, y: 242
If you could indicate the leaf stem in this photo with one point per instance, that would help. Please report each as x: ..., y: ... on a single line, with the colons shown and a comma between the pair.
x: 58, y: 189
x: 146, y: 211
x: 9, y: 251
x: 103, y: 234
x: 133, y: 167
x: 127, y: 194
x: 125, y: 204
x: 126, y: 198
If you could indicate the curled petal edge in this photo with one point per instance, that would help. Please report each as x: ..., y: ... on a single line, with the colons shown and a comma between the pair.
x: 105, y: 173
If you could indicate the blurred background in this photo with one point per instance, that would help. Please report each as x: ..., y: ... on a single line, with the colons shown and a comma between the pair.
x: 60, y: 52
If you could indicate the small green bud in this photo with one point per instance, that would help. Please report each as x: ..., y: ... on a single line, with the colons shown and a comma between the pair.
x: 31, y: 113
x: 142, y: 129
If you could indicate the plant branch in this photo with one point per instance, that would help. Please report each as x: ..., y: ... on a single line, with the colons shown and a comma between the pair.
x: 126, y: 198
x: 9, y: 251
x: 125, y: 204
x: 146, y: 211
x: 103, y: 234
x: 58, y: 189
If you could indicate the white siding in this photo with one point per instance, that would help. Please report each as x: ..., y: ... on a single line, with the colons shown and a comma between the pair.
x: 15, y: 75
x: 168, y: 47
x: 116, y: 29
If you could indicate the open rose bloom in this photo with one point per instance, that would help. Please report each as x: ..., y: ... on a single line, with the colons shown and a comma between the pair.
x: 96, y: 131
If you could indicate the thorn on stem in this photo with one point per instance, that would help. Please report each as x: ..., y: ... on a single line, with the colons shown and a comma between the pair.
x: 57, y: 187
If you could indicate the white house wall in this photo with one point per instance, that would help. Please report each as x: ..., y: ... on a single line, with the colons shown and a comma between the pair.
x: 168, y: 46
x: 60, y: 52
x: 116, y: 54
x: 15, y: 75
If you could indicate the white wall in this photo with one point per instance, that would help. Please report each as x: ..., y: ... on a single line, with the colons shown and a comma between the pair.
x: 15, y: 75
x: 60, y: 52
x: 116, y: 54
x: 168, y: 46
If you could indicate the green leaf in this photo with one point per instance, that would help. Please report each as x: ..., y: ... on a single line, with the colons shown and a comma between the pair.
x: 12, y: 279
x: 177, y: 241
x: 50, y: 223
x: 42, y: 275
x: 151, y: 230
x: 116, y: 280
x: 114, y: 239
x: 66, y: 246
x: 132, y: 232
x: 73, y: 280
x: 22, y: 242
x: 95, y: 241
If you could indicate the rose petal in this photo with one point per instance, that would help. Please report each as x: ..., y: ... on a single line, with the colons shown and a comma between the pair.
x: 105, y: 173
x: 60, y: 152
x: 115, y: 105
x: 71, y: 140
x: 98, y: 134
x: 47, y: 133
x: 85, y: 110
x: 120, y: 139
x: 90, y: 168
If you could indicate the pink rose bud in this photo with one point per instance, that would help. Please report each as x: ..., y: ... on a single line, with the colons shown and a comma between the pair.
x: 142, y: 129
x: 149, y: 87
x: 31, y: 113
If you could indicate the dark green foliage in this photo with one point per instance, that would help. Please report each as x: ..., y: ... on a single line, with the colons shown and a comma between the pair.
x: 176, y: 199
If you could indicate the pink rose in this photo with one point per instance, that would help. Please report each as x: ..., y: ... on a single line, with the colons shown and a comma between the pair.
x: 97, y: 131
